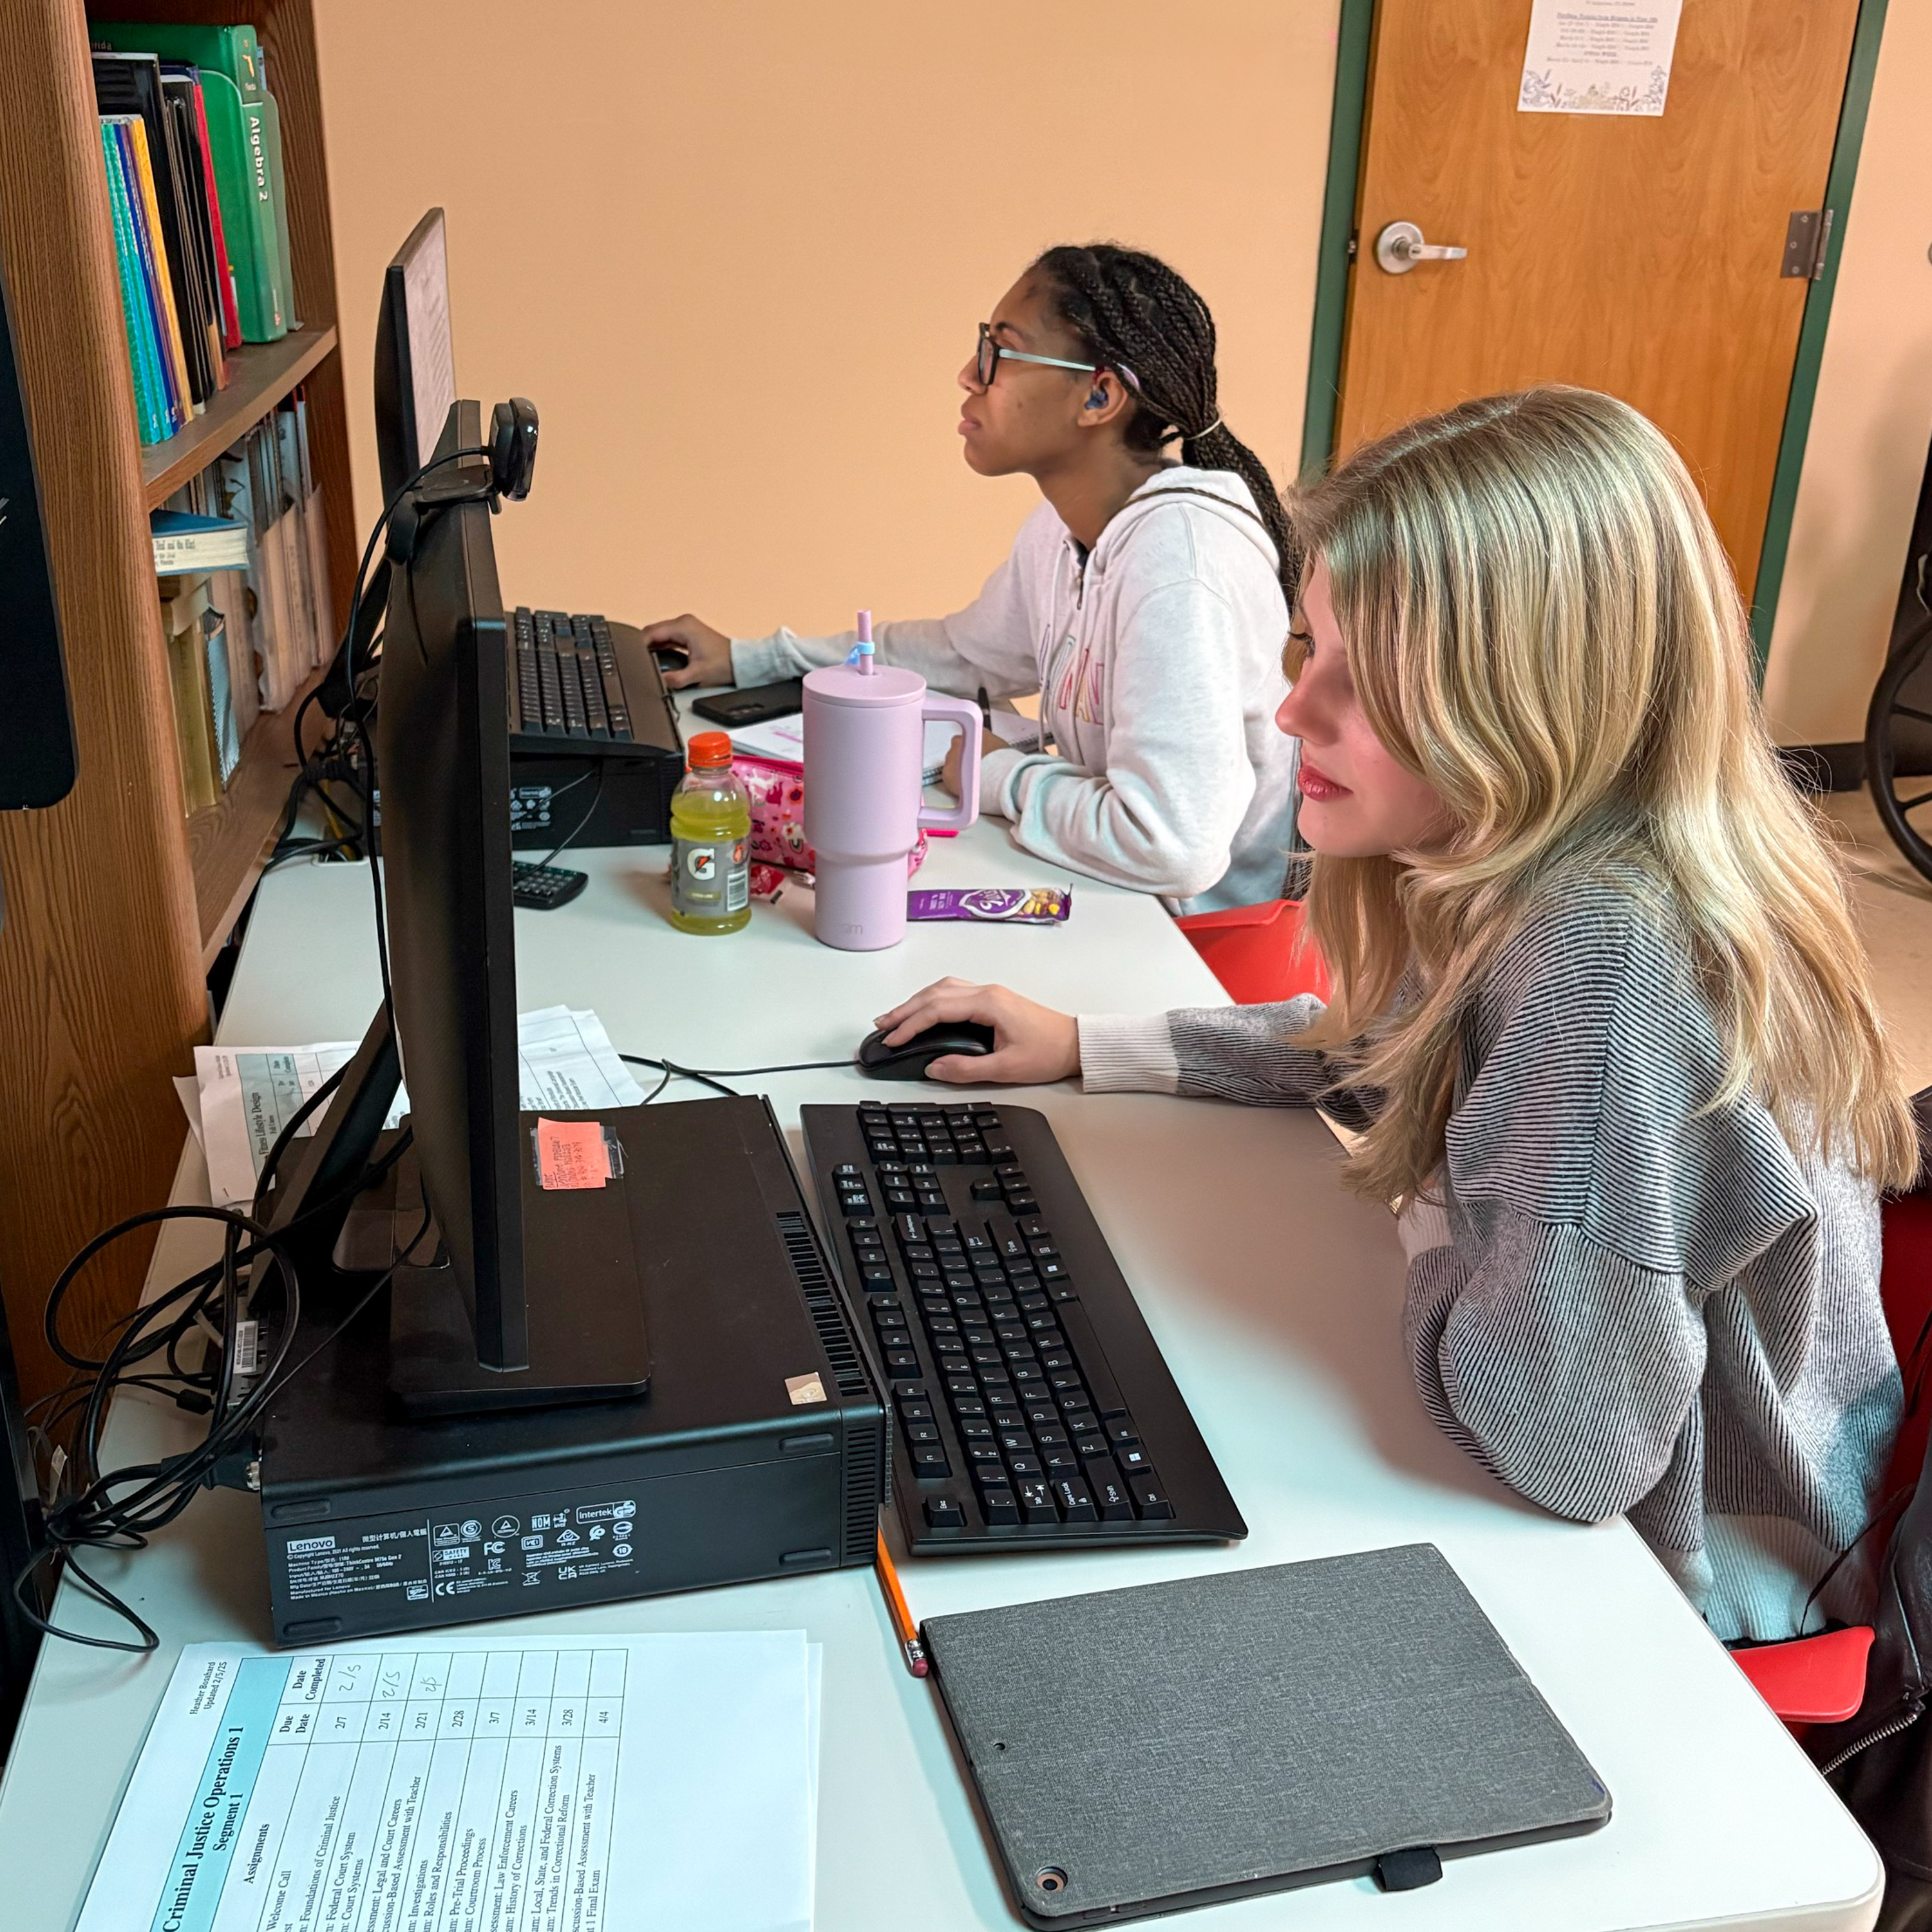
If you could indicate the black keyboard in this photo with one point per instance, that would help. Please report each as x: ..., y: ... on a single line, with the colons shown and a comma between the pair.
x: 1033, y: 1407
x: 565, y: 683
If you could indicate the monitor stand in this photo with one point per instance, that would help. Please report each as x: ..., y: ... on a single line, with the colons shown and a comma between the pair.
x: 581, y: 1287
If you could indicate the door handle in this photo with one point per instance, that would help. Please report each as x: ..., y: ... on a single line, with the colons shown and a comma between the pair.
x: 1400, y: 246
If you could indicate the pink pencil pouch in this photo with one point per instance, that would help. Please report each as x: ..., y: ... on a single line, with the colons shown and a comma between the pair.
x: 777, y: 789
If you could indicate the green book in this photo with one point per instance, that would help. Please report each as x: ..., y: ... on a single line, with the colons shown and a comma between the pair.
x: 251, y: 134
x: 134, y: 306
x: 272, y: 129
x: 239, y: 149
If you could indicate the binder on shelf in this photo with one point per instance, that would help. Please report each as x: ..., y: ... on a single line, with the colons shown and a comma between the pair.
x: 207, y: 723
x: 315, y: 521
x: 188, y: 678
x: 150, y: 282
x: 231, y: 317
x: 152, y: 418
x: 167, y: 313
x: 178, y: 92
x: 224, y: 733
x: 294, y: 536
x: 130, y: 83
x: 228, y: 592
x: 251, y: 478
x: 272, y: 129
x: 247, y: 208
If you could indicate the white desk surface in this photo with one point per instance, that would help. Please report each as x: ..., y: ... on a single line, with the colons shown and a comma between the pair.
x: 1275, y: 1296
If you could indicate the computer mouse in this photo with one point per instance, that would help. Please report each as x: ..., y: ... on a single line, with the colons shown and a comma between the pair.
x: 671, y: 657
x: 910, y: 1059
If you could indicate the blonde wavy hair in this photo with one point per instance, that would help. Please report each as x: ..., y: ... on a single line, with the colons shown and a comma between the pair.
x: 1541, y: 621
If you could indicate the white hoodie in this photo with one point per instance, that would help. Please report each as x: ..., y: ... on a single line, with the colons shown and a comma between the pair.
x: 1158, y: 661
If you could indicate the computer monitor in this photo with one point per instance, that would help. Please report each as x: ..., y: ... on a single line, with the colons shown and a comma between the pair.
x: 443, y: 763
x: 37, y: 760
x: 415, y: 387
x: 415, y: 359
x: 528, y: 1295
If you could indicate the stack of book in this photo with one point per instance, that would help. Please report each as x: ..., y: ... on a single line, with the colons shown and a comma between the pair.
x: 191, y: 139
x: 240, y: 553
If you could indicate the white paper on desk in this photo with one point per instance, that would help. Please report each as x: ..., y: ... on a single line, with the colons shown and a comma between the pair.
x: 187, y: 1091
x: 597, y: 1784
x: 784, y: 738
x: 565, y: 1060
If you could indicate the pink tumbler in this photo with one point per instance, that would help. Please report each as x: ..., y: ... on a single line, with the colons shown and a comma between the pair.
x: 865, y: 758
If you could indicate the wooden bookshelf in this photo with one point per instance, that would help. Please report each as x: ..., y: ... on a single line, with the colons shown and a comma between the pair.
x: 260, y: 375
x: 228, y: 841
x: 116, y: 898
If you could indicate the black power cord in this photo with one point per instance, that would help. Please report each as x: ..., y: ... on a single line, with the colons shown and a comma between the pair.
x: 120, y: 1509
x: 583, y: 817
x: 715, y: 1077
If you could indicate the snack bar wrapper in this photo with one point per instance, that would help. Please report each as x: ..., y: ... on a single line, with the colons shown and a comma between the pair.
x: 1031, y: 905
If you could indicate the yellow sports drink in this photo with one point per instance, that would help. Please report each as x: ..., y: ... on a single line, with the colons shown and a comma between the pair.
x: 710, y: 842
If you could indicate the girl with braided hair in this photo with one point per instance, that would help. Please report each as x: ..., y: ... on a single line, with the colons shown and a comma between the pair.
x: 1143, y: 599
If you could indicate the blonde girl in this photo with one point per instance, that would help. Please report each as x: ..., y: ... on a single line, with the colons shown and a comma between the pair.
x: 1599, y: 1009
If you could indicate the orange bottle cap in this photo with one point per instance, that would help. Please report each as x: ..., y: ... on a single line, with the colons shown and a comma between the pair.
x: 709, y: 748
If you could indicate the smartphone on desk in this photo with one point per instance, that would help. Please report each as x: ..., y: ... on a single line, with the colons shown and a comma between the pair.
x: 754, y: 705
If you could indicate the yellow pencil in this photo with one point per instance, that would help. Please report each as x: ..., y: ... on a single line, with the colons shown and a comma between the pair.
x: 896, y: 1609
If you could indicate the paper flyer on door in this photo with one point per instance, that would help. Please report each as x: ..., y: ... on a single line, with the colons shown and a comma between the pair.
x: 1599, y: 56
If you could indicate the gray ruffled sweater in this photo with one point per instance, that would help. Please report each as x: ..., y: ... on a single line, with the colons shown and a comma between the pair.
x: 1619, y: 1300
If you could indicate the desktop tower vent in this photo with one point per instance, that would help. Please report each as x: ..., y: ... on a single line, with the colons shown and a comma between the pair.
x: 815, y: 1285
x: 868, y: 1471
x: 868, y: 1468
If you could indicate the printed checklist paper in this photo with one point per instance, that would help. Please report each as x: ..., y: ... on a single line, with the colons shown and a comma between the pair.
x: 242, y: 1096
x: 610, y: 1784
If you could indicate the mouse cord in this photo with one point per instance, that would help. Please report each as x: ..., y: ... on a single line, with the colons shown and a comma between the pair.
x: 583, y: 818
x: 715, y: 1077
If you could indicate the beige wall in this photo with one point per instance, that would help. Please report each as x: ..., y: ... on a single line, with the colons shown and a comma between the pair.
x: 734, y: 252
x: 1866, y: 453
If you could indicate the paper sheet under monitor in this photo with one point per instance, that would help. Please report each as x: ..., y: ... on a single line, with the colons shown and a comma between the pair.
x: 248, y: 1093
x: 454, y: 1783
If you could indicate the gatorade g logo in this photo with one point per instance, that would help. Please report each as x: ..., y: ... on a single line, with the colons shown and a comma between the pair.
x: 701, y: 862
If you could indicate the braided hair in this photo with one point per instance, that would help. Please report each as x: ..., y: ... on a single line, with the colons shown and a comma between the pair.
x: 1134, y: 315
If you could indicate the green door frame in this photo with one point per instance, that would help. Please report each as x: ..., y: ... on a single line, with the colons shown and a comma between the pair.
x: 1354, y: 34
x: 1354, y: 41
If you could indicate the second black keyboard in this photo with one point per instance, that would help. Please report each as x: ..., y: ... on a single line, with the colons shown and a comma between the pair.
x: 565, y: 682
x: 1033, y: 1408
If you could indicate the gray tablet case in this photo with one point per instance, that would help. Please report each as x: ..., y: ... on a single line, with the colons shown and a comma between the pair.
x: 1140, y: 1751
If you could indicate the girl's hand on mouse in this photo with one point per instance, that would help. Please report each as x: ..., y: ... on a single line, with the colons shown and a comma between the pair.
x: 1032, y: 1044
x: 707, y: 652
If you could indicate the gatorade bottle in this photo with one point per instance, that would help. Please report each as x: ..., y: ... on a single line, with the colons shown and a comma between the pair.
x: 710, y: 842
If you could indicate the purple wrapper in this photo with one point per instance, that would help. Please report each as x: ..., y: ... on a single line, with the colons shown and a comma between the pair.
x: 1033, y: 905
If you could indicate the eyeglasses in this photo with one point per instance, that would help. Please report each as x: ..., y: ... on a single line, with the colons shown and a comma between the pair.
x: 988, y: 363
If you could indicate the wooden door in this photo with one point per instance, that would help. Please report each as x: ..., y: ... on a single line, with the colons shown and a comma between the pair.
x: 1639, y: 255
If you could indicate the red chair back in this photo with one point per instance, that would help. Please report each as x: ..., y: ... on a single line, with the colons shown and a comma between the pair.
x: 1905, y: 1285
x: 1256, y: 951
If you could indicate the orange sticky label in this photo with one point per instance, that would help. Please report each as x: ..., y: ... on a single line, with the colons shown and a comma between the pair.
x: 572, y: 1153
